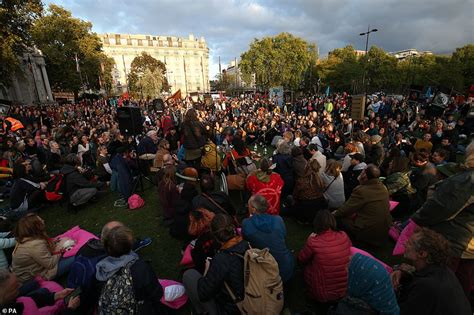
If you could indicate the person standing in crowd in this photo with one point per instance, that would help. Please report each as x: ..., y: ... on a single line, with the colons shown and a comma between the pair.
x: 263, y: 230
x: 369, y: 201
x: 193, y: 138
x: 429, y: 286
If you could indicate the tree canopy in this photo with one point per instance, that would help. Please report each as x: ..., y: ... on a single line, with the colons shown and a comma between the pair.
x: 147, y: 74
x: 16, y: 20
x: 61, y: 38
x: 281, y: 60
x: 343, y: 70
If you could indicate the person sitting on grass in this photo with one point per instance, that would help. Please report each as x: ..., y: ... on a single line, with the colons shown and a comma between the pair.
x: 429, y: 286
x: 369, y: 202
x: 35, y: 253
x: 79, y: 190
x: 215, y: 201
x: 10, y: 290
x: 326, y: 256
x: 141, y: 290
x: 263, y: 230
x: 208, y: 293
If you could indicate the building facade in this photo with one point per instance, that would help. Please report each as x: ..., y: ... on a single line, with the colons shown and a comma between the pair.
x: 30, y: 85
x: 238, y: 83
x: 403, y: 54
x: 186, y: 59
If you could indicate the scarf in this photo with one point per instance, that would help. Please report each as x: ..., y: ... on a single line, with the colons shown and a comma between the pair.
x: 232, y: 242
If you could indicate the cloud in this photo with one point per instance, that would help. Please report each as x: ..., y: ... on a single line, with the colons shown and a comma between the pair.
x: 229, y: 26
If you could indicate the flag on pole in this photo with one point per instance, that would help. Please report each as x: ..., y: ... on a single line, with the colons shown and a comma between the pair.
x: 327, y: 91
x: 176, y: 96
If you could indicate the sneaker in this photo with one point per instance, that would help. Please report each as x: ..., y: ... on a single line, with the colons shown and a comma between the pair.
x: 141, y: 243
x: 121, y: 203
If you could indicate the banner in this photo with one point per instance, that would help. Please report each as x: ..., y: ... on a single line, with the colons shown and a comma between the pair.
x: 276, y: 95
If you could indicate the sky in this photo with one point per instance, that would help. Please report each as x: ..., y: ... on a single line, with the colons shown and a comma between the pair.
x: 229, y: 26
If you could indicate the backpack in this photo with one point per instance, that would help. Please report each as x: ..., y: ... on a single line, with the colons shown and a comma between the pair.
x: 54, y: 190
x: 135, y: 202
x: 117, y: 296
x: 262, y: 284
x: 83, y: 271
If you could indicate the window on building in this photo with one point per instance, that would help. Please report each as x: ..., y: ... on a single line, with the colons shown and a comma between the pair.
x: 117, y: 39
x: 129, y: 41
x: 106, y: 41
x: 150, y: 42
x: 147, y: 37
x: 140, y: 42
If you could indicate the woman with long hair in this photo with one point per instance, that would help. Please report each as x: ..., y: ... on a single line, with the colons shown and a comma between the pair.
x: 168, y: 193
x: 308, y: 193
x: 208, y: 292
x: 205, y: 246
x: 334, y: 182
x: 35, y: 253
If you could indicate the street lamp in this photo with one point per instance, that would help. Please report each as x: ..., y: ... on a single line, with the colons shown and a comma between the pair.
x: 367, y: 39
x: 366, y: 52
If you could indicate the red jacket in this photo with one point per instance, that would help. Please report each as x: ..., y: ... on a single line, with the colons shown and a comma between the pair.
x: 326, y: 256
x: 270, y: 190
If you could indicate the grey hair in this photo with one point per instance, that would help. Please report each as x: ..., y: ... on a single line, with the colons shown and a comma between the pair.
x: 259, y: 202
x: 284, y: 148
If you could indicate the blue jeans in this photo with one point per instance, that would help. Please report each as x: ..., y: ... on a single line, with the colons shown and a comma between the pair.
x: 64, y: 265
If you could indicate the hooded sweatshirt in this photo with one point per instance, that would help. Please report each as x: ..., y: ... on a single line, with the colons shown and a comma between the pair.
x: 109, y: 266
x: 269, y: 231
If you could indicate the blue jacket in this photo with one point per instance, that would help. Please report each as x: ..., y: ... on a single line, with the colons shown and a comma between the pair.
x: 269, y: 231
x: 125, y: 178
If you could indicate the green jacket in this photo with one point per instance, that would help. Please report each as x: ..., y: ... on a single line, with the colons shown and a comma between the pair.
x: 370, y: 204
x: 450, y: 212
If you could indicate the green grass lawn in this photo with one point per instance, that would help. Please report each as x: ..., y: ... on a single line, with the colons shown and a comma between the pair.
x: 164, y: 253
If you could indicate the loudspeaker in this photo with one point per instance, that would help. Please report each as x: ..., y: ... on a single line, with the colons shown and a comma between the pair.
x: 158, y: 104
x: 130, y: 120
x: 358, y: 107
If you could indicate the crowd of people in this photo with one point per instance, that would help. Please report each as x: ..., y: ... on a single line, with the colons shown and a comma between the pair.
x: 229, y: 175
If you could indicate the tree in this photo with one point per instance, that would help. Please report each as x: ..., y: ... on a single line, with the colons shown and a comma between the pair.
x: 342, y: 70
x: 16, y: 20
x: 138, y: 69
x: 463, y: 60
x: 278, y: 61
x: 61, y: 38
